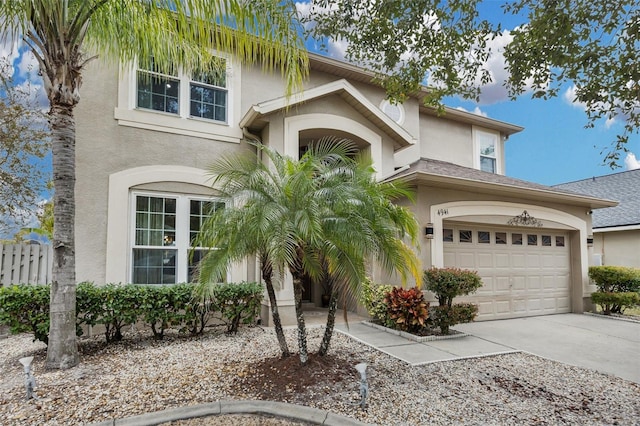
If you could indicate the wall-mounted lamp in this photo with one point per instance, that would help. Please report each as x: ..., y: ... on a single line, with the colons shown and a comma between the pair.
x: 428, y: 231
x: 590, y: 241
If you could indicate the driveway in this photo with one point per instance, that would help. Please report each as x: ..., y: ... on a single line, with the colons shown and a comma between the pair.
x: 602, y: 344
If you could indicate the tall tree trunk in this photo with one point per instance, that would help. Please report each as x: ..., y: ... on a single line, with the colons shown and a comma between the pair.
x: 331, y: 322
x: 302, y: 331
x: 62, y: 350
x: 267, y: 275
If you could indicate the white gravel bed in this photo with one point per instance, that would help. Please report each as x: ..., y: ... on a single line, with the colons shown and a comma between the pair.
x: 141, y: 375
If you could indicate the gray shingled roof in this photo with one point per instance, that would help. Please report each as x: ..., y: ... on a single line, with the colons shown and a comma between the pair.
x: 443, y: 168
x: 623, y: 187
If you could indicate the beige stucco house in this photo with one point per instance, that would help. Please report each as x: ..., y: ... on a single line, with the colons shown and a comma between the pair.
x: 616, y: 230
x: 145, y: 140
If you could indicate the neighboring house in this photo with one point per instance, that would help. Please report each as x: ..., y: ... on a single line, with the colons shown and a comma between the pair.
x: 616, y: 230
x: 145, y: 140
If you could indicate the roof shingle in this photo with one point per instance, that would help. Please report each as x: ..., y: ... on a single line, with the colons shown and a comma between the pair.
x: 623, y: 187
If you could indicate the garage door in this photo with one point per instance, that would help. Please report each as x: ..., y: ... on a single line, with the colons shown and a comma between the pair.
x: 525, y: 272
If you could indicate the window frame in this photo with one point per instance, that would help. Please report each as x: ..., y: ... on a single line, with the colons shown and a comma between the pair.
x: 478, y: 134
x: 128, y: 114
x: 182, y: 240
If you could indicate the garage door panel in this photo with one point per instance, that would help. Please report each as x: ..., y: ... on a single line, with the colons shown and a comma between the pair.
x: 518, y: 260
x: 518, y: 280
x: 548, y: 261
x: 484, y: 260
x: 466, y: 260
x: 502, y: 260
x: 502, y: 284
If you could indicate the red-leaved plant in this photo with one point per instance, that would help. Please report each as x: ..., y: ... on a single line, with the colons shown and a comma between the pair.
x: 407, y: 309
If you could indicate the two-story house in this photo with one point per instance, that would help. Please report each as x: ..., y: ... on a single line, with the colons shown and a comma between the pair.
x: 146, y: 138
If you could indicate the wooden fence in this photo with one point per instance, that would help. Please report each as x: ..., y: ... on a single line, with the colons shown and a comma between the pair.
x: 25, y: 264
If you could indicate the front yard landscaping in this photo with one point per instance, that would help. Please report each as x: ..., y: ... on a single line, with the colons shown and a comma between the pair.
x: 140, y: 374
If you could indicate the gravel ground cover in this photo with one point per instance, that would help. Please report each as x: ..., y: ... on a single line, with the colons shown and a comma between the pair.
x: 141, y: 375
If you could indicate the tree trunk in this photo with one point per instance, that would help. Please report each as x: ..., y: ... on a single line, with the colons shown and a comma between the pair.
x: 62, y: 350
x: 267, y: 274
x: 302, y: 331
x: 331, y: 322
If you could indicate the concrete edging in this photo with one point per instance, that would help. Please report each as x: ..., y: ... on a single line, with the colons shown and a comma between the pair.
x: 419, y: 339
x: 591, y: 314
x: 278, y: 409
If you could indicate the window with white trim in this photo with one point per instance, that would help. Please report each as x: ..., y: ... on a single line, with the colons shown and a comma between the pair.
x: 206, y: 98
x: 164, y: 227
x: 487, y: 149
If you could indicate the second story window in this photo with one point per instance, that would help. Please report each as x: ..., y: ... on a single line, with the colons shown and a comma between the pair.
x: 487, y: 151
x: 158, y: 89
x: 163, y: 90
x: 208, y: 96
x: 488, y: 154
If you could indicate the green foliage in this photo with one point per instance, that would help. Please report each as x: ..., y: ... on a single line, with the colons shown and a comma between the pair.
x: 446, y: 41
x: 615, y: 278
x: 406, y: 309
x: 164, y: 306
x: 445, y: 316
x: 448, y: 283
x: 616, y: 303
x: 372, y: 298
x: 593, y: 45
x: 237, y: 303
x: 25, y: 308
x: 89, y: 305
x: 120, y: 307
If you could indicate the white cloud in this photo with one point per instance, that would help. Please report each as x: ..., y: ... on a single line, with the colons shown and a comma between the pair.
x: 630, y: 162
x: 28, y: 66
x: 496, y: 90
x: 476, y: 111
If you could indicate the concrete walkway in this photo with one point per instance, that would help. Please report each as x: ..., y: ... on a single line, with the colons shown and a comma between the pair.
x: 418, y: 353
x: 598, y: 343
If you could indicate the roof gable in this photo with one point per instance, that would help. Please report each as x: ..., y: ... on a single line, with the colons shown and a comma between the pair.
x: 345, y: 90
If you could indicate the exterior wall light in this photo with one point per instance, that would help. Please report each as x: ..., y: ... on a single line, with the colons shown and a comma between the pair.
x: 590, y: 241
x: 428, y: 231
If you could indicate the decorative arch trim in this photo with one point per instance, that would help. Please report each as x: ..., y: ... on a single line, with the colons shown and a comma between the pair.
x: 296, y: 124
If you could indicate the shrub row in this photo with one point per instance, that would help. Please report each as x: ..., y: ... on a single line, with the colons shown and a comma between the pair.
x: 407, y: 310
x: 25, y: 308
x: 618, y: 288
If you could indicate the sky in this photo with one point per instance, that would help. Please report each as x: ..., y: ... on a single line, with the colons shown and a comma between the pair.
x: 554, y: 147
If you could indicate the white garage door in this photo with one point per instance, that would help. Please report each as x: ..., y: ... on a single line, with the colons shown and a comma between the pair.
x: 525, y: 272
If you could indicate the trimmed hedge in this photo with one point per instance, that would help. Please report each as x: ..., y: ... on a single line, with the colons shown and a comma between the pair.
x: 611, y: 302
x: 25, y: 308
x: 616, y: 279
x: 448, y: 283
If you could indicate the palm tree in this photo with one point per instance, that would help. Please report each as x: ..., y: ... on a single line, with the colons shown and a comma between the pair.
x: 59, y: 33
x: 306, y: 216
x: 375, y: 230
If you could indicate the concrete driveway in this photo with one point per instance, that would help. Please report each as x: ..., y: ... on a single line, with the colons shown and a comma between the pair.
x: 602, y: 344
